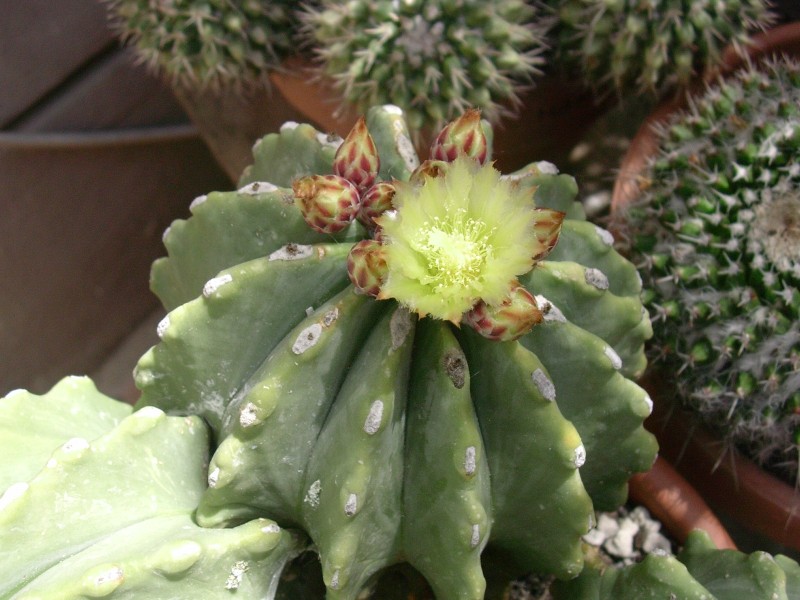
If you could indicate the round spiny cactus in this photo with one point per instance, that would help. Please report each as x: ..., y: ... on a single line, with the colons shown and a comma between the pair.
x: 719, y: 239
x: 650, y: 45
x: 208, y: 42
x: 355, y: 379
x: 433, y: 59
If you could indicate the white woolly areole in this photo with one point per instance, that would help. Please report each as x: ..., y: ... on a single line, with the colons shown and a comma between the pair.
x: 330, y: 317
x: 238, y: 570
x: 113, y: 575
x: 13, y: 492
x: 392, y: 109
x: 470, y: 463
x: 162, y: 327
x: 547, y: 168
x: 307, y: 338
x: 149, y: 412
x: 351, y: 506
x: 596, y: 278
x: 165, y: 235
x: 604, y: 235
x: 334, y: 141
x: 213, y: 477
x: 373, y: 421
x: 550, y: 310
x: 292, y: 252
x: 75, y: 444
x: 544, y: 385
x: 309, y: 311
x: 616, y: 361
x: 475, y: 538
x: 248, y: 415
x: 312, y: 496
x: 289, y: 125
x: 649, y: 401
x: 335, y: 580
x: 257, y: 187
x: 197, y: 202
x: 212, y: 285
x: 579, y: 458
x: 271, y: 528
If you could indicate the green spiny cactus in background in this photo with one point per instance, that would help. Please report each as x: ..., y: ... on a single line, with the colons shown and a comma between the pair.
x: 698, y: 572
x: 629, y: 46
x: 100, y: 504
x: 388, y: 435
x: 434, y: 59
x: 718, y: 236
x: 208, y: 42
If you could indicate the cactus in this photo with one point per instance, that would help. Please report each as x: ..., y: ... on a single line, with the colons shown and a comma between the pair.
x: 387, y: 435
x: 107, y: 511
x: 649, y: 46
x: 718, y: 238
x: 433, y: 59
x: 208, y: 42
x: 699, y: 572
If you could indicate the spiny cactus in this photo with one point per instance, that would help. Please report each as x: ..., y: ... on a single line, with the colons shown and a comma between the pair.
x: 698, y: 572
x: 208, y: 42
x: 629, y: 46
x: 434, y: 59
x: 718, y: 236
x: 387, y: 435
x: 107, y: 510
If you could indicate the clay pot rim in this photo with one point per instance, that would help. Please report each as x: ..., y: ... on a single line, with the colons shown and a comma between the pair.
x: 784, y: 39
x: 97, y: 139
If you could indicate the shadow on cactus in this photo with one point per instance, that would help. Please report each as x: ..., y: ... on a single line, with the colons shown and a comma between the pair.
x: 718, y: 236
x: 402, y: 429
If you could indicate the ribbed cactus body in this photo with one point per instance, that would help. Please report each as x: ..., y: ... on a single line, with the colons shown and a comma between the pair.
x: 433, y: 59
x: 628, y: 46
x: 719, y: 241
x: 389, y: 437
x: 208, y: 42
x: 698, y: 572
x: 111, y: 514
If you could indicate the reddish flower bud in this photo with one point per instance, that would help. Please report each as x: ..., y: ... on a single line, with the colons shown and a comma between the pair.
x: 429, y: 168
x: 328, y: 203
x: 376, y: 201
x: 462, y: 136
x: 509, y: 321
x: 366, y: 266
x: 357, y: 158
x: 546, y: 228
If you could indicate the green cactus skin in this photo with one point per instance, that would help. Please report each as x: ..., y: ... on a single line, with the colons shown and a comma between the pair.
x: 111, y: 516
x: 649, y: 46
x: 719, y: 243
x: 339, y: 414
x: 208, y: 42
x: 433, y: 59
x: 699, y: 572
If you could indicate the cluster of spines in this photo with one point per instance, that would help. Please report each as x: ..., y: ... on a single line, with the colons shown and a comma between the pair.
x: 722, y: 265
x: 209, y: 42
x: 433, y: 59
x: 650, y: 46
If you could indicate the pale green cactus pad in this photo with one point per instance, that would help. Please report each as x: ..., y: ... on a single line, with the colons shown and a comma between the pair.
x: 699, y: 572
x: 109, y: 512
x: 390, y: 438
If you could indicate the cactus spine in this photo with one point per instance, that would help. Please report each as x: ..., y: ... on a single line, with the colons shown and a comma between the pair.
x: 629, y: 46
x: 719, y: 244
x: 433, y: 59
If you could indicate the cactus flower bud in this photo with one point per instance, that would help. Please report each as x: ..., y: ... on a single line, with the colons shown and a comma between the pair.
x: 462, y: 136
x: 428, y: 168
x: 508, y: 321
x: 546, y: 228
x: 375, y: 201
x: 366, y: 266
x: 328, y: 203
x: 357, y: 158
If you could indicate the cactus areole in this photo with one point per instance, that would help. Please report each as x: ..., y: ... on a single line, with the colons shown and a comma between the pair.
x: 398, y: 358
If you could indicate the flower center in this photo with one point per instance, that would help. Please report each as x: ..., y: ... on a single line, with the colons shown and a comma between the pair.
x: 456, y: 251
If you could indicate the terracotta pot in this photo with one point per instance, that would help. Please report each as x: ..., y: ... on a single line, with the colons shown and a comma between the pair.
x: 731, y: 483
x: 82, y: 217
x: 551, y: 119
